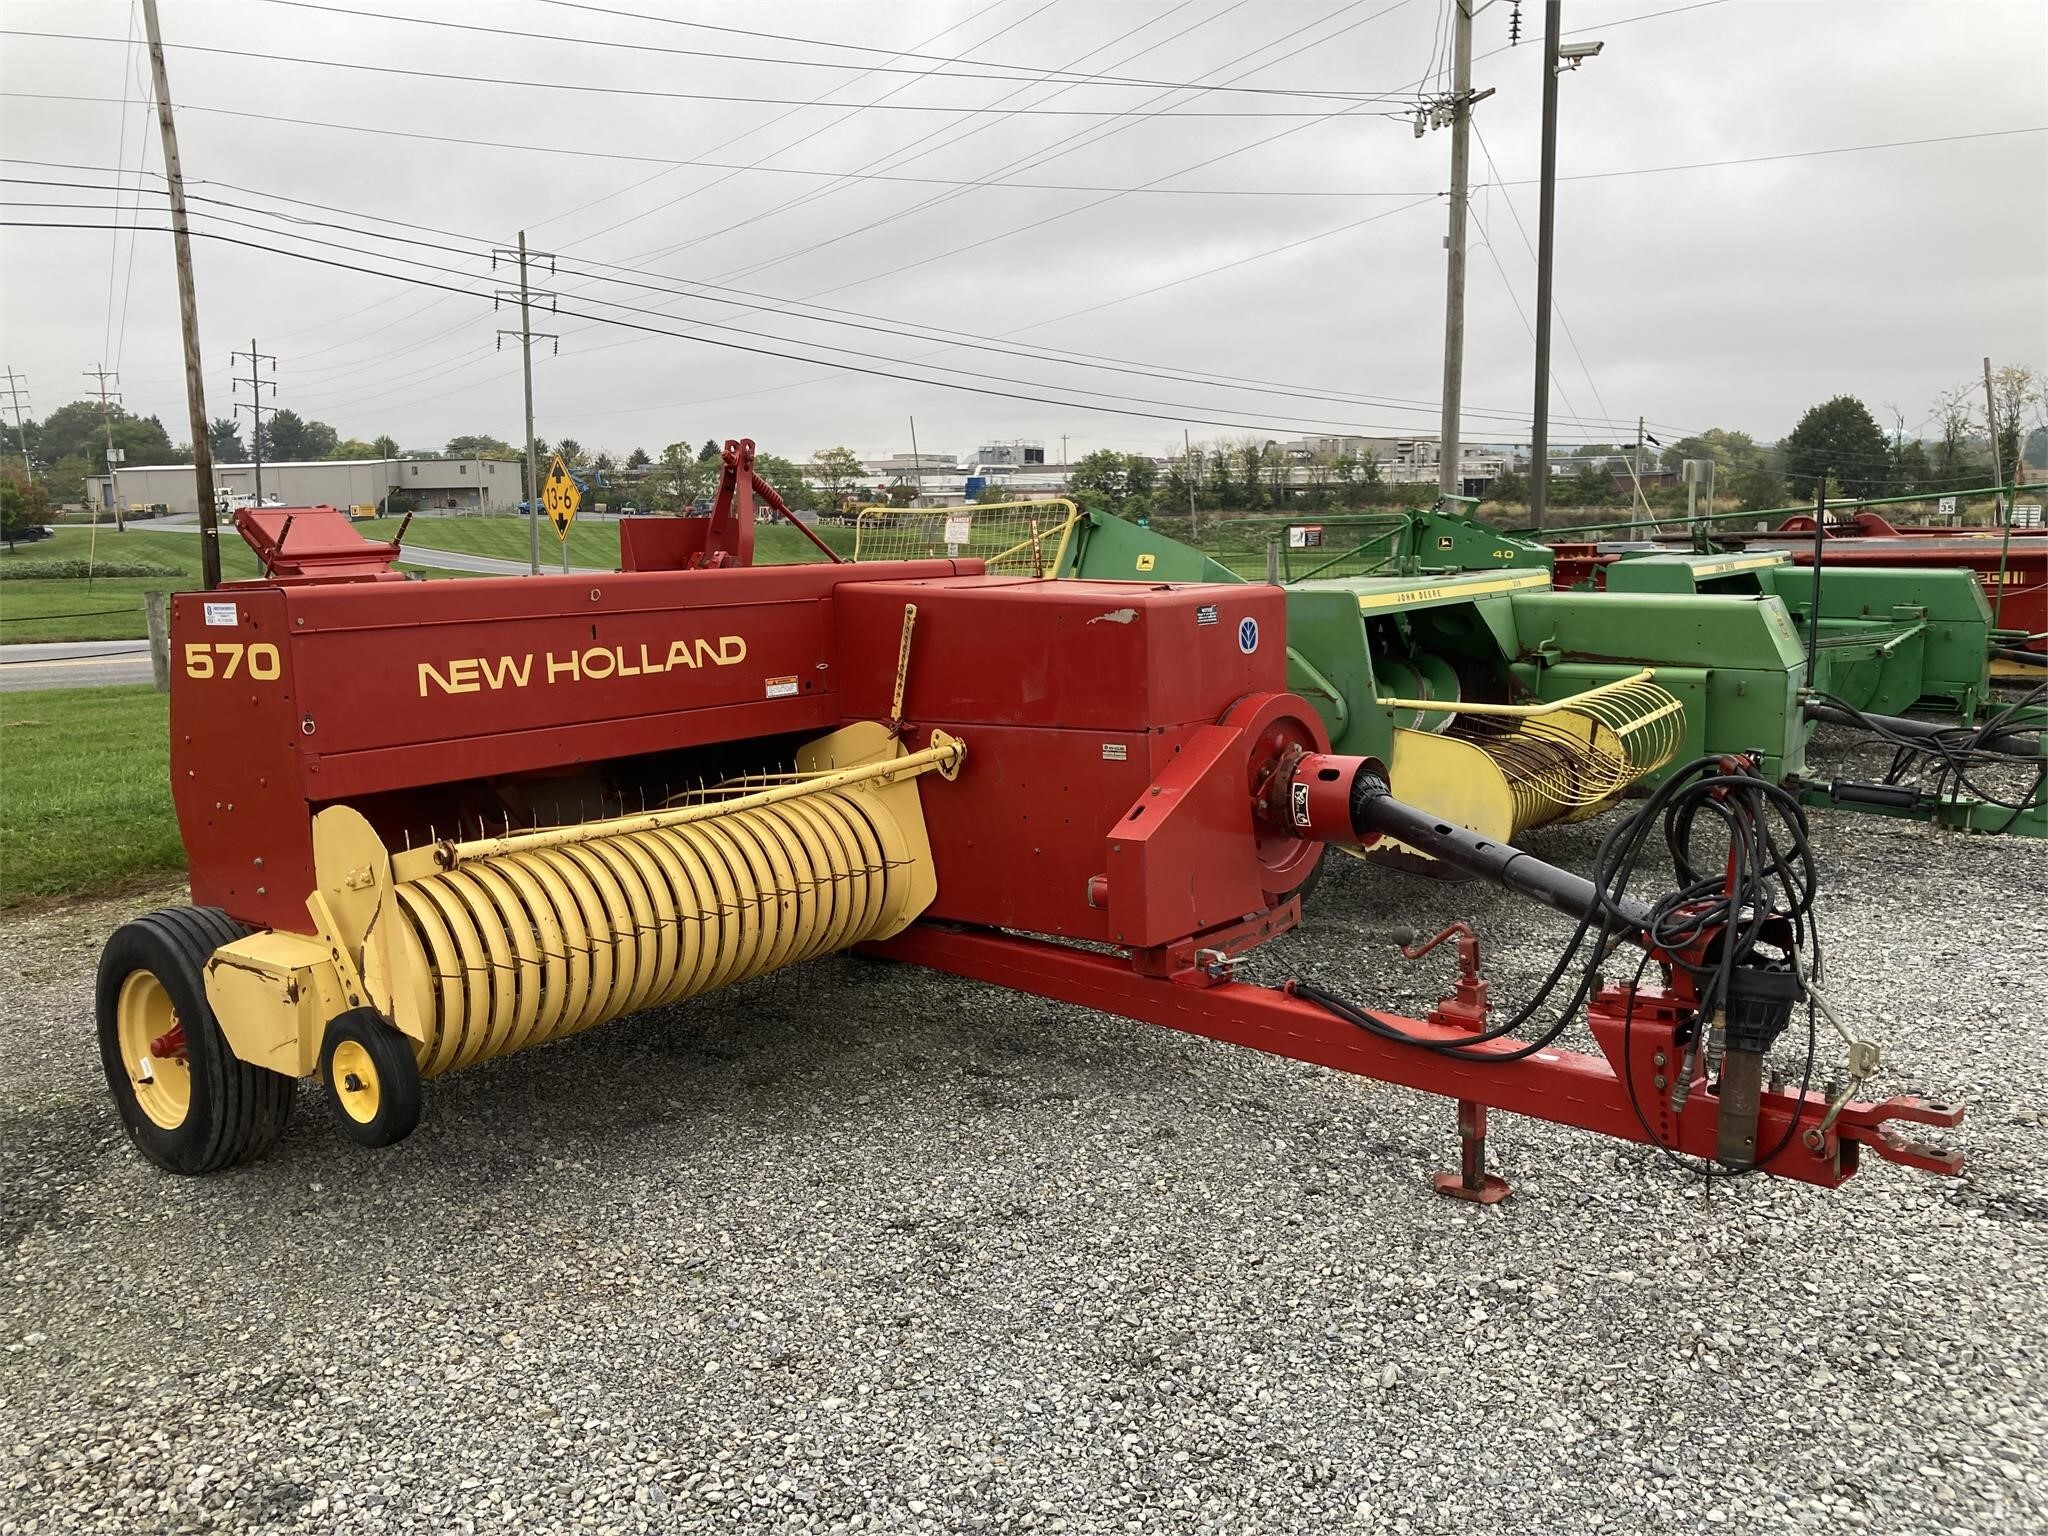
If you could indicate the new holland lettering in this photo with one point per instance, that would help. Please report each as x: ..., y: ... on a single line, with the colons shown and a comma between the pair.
x: 591, y: 664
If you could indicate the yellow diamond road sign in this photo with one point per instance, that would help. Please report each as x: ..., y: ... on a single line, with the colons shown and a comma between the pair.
x: 561, y: 497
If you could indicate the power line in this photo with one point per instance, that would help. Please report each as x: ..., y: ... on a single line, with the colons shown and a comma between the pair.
x: 972, y: 183
x: 16, y: 384
x: 1486, y: 239
x: 1556, y: 308
x: 750, y: 302
x: 676, y: 21
x: 1060, y: 148
x: 1178, y: 415
x: 254, y: 404
x: 958, y: 130
x: 901, y: 157
x: 120, y: 160
x: 616, y: 304
x: 1043, y: 155
x: 441, y: 78
x: 1023, y: 75
x: 328, y: 124
x: 822, y: 98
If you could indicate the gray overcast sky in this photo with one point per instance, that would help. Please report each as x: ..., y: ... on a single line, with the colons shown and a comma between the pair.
x: 1732, y: 296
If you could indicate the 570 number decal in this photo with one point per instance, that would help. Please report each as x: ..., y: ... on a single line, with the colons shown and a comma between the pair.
x: 226, y: 658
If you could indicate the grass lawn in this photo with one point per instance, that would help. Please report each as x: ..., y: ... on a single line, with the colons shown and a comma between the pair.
x: 111, y: 609
x: 85, y: 792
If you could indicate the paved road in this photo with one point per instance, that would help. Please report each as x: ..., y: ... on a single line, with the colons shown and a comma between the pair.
x: 100, y: 663
x: 73, y: 664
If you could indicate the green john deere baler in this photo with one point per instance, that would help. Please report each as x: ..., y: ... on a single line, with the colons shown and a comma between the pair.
x: 1503, y: 703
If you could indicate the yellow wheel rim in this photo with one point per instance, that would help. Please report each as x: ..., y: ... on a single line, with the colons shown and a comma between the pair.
x: 356, y: 1087
x: 162, y: 1085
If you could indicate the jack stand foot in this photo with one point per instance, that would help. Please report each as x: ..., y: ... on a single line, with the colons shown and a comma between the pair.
x: 1471, y: 1181
x: 1491, y: 1190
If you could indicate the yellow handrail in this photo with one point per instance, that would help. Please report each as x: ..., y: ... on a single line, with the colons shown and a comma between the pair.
x: 1070, y: 515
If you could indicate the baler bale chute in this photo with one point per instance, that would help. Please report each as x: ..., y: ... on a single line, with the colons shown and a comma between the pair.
x: 431, y: 824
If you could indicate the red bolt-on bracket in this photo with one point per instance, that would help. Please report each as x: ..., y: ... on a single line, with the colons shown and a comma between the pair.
x: 1466, y: 1009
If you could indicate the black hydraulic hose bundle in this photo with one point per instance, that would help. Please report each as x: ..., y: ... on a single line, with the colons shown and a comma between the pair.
x: 1955, y: 750
x: 1740, y: 913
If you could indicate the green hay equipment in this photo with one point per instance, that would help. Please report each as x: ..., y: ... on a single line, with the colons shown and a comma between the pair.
x: 1439, y: 645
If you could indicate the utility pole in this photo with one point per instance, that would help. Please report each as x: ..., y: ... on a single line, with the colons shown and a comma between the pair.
x: 1991, y: 428
x: 255, y: 406
x: 14, y: 389
x: 1063, y: 450
x: 1639, y: 505
x: 1546, y: 232
x: 21, y: 435
x: 525, y: 335
x: 916, y: 461
x: 188, y: 307
x: 1451, y: 452
x: 1188, y: 446
x: 110, y: 398
x: 2001, y: 509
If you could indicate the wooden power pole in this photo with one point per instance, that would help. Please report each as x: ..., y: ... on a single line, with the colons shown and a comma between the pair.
x: 527, y: 297
x: 1451, y: 451
x: 188, y: 308
x: 109, y: 398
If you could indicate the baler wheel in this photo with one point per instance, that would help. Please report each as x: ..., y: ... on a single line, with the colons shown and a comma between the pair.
x: 188, y: 1102
x: 372, y: 1078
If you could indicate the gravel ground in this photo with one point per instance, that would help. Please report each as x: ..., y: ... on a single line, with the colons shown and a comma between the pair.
x: 861, y: 1248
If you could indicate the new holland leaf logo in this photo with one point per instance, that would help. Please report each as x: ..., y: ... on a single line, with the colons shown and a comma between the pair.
x: 560, y: 496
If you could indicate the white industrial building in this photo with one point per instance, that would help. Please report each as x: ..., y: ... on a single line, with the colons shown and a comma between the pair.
x: 429, y: 485
x: 1402, y: 460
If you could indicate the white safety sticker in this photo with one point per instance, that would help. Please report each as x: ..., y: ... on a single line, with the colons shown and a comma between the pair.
x: 222, y: 615
x: 1247, y: 635
x: 1115, y: 752
x: 1301, y: 805
x: 1206, y: 614
x: 781, y: 687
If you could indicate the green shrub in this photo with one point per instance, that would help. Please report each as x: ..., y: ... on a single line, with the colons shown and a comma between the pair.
x: 18, y: 569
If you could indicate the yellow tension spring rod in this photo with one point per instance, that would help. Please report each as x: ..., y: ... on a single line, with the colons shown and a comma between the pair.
x: 1520, y: 711
x: 945, y: 755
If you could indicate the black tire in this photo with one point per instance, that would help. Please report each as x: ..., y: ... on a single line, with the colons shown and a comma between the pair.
x: 232, y: 1111
x: 375, y: 1089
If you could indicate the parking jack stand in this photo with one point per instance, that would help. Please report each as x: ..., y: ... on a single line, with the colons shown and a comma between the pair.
x: 1471, y: 1181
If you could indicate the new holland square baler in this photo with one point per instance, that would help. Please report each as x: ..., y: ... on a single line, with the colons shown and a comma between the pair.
x: 432, y: 823
x: 1504, y: 698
